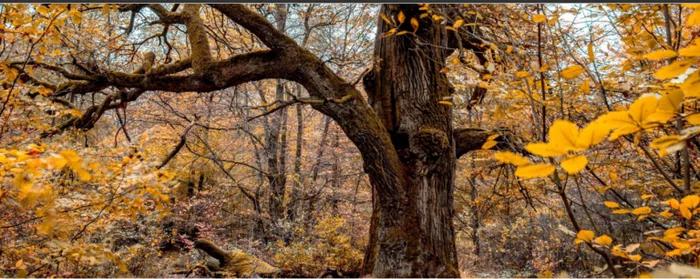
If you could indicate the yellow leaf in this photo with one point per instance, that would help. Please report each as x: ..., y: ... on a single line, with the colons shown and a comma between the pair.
x: 402, y: 33
x: 621, y: 211
x: 390, y: 32
x: 386, y: 19
x: 671, y: 101
x: 585, y: 87
x: 401, y: 17
x: 694, y: 18
x: 673, y: 203
x: 574, y: 165
x: 414, y: 24
x: 42, y: 10
x: 521, y: 74
x: 645, y: 210
x: 539, y: 18
x: 19, y: 263
x: 545, y: 149
x: 693, y: 50
x: 611, y: 204
x: 447, y: 103
x: 643, y: 108
x: 75, y: 15
x: 584, y: 236
x: 591, y: 55
x: 564, y: 134
x: 691, y: 85
x: 693, y: 119
x: 666, y: 214
x: 594, y: 133
x: 635, y: 258
x: 691, y: 201
x: 536, y: 170
x: 509, y: 49
x: 675, y: 69
x: 56, y: 161
x: 572, y: 71
x: 604, y: 240
x: 489, y: 144
x: 657, y: 118
x: 668, y: 144
x: 647, y: 196
x: 458, y: 23
x: 511, y: 158
x: 493, y: 137
x: 661, y: 54
x: 122, y: 267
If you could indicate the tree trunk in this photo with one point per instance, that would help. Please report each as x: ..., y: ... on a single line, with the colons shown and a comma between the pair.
x: 412, y: 235
x: 292, y: 207
x: 276, y: 149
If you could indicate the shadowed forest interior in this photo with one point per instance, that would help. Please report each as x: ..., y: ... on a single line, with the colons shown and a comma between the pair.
x: 349, y: 140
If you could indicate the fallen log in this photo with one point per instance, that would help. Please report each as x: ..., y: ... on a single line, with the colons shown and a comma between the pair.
x: 235, y: 263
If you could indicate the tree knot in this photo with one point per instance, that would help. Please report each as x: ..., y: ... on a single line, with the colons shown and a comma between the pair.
x: 429, y: 142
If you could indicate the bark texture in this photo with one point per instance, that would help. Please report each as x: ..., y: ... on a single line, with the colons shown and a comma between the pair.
x: 412, y: 234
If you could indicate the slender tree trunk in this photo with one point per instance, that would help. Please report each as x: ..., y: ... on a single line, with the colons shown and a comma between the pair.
x: 276, y: 150
x: 292, y: 207
x: 412, y: 235
x: 337, y: 173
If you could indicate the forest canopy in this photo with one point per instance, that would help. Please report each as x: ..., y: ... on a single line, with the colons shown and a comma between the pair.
x: 349, y: 140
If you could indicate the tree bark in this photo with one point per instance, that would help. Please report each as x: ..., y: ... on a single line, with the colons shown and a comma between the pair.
x: 414, y: 236
x: 276, y: 143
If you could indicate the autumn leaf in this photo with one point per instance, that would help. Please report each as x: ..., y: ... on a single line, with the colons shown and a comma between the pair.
x: 594, y: 133
x: 539, y: 18
x: 694, y: 18
x: 661, y: 54
x: 536, y: 170
x: 489, y: 144
x: 511, y: 158
x: 675, y: 69
x: 691, y: 201
x: 645, y: 210
x: 604, y: 240
x: 575, y: 164
x: 584, y: 236
x: 75, y: 15
x: 522, y: 74
x: 545, y: 149
x: 564, y: 135
x: 414, y: 24
x: 693, y: 119
x: 611, y: 204
x: 691, y: 85
x: 693, y: 50
x: 458, y: 23
x: 401, y: 17
x: 572, y: 71
x: 673, y: 203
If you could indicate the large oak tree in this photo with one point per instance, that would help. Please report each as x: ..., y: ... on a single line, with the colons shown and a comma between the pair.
x: 404, y: 133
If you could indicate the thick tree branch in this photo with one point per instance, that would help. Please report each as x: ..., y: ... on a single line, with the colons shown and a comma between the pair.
x: 257, y: 24
x: 470, y: 139
x: 197, y: 34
